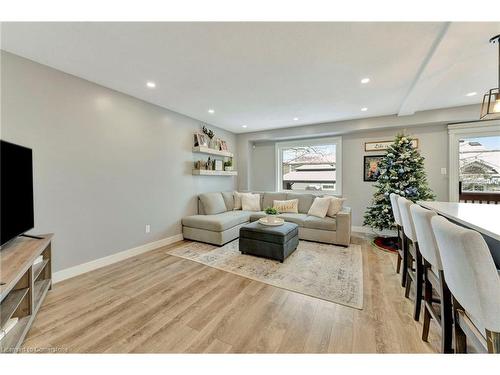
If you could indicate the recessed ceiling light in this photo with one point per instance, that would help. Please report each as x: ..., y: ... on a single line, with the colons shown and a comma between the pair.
x: 365, y: 80
x: 364, y: 109
x: 211, y: 111
x: 295, y: 119
x: 243, y: 126
x: 151, y: 84
x: 471, y: 93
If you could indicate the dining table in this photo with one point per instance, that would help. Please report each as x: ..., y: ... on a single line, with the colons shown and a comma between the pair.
x: 483, y: 218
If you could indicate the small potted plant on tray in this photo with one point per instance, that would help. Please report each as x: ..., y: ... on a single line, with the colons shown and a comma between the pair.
x: 271, y: 214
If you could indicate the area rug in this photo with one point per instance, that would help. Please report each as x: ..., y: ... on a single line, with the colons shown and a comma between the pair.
x: 328, y: 272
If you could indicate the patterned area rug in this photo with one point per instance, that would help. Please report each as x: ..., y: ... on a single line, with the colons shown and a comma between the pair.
x: 329, y: 272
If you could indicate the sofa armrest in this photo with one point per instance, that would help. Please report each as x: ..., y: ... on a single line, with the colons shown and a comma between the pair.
x: 343, y: 235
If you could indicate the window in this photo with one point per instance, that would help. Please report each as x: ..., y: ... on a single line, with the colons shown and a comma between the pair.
x: 312, y: 164
x: 474, y: 162
x: 479, y: 159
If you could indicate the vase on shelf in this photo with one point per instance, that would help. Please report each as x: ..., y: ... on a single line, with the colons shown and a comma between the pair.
x: 212, y: 143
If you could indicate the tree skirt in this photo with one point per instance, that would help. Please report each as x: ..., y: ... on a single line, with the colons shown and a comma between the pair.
x: 386, y: 243
x: 329, y: 272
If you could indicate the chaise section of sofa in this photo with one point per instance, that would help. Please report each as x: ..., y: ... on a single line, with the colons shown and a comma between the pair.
x: 218, y: 223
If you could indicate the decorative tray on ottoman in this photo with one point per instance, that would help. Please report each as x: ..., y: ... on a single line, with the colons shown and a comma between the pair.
x: 277, y: 221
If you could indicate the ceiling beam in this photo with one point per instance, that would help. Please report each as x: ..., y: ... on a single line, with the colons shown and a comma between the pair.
x: 415, y: 94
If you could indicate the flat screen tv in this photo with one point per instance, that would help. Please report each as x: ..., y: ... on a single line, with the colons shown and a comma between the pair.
x: 16, y: 190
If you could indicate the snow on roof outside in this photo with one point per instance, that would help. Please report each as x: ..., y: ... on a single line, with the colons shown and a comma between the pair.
x: 306, y: 167
x: 489, y: 157
x: 475, y: 151
x: 318, y: 176
x: 312, y: 159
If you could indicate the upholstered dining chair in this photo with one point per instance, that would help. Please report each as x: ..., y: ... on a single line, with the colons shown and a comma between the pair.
x: 434, y: 281
x: 413, y: 257
x: 399, y: 227
x: 474, y: 283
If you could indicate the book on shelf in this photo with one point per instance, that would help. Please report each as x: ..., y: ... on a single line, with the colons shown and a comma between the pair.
x: 7, y: 327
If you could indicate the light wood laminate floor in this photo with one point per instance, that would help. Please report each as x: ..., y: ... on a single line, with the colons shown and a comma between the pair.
x: 160, y: 303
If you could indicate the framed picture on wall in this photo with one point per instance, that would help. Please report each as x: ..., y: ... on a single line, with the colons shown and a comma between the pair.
x: 384, y: 145
x: 371, y: 167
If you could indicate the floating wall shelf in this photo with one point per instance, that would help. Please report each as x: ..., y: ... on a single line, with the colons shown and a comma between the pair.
x: 203, y: 172
x: 211, y: 151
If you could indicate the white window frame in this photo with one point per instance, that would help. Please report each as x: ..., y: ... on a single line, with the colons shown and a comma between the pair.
x: 457, y: 132
x: 337, y: 141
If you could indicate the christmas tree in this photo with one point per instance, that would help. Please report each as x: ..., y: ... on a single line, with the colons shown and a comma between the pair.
x: 401, y: 172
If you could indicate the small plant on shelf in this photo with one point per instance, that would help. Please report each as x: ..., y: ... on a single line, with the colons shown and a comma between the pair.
x: 228, y: 165
x: 210, y: 133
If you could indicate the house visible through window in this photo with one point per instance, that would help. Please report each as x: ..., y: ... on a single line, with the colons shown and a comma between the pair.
x: 309, y: 165
x: 479, y: 167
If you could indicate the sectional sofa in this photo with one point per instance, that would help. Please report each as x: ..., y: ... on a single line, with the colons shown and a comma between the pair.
x: 218, y: 222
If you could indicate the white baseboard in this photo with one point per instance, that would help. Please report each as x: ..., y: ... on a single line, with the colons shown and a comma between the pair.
x: 113, y: 258
x: 364, y: 229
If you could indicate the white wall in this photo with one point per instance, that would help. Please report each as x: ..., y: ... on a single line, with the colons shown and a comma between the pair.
x: 105, y: 164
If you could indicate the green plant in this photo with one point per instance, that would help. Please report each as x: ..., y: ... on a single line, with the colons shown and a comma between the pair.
x: 208, y: 132
x: 228, y: 163
x: 271, y: 211
x: 402, y: 172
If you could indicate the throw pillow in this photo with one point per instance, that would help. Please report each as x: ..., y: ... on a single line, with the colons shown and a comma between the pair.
x: 228, y: 200
x: 213, y: 203
x: 250, y: 202
x: 335, y: 206
x: 289, y: 206
x: 237, y: 200
x: 320, y: 207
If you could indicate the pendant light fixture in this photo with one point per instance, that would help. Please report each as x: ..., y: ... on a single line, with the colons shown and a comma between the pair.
x: 490, y: 109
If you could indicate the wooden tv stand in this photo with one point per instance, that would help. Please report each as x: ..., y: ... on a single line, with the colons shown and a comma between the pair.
x: 23, y: 285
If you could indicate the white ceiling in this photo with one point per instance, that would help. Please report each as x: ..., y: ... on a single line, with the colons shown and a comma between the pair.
x: 264, y: 74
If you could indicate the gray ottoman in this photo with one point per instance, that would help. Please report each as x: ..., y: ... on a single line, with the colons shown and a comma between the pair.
x: 269, y: 242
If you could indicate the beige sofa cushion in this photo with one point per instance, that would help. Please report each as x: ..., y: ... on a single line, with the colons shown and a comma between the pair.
x: 213, y: 203
x: 326, y: 223
x: 298, y: 219
x: 305, y: 201
x: 335, y: 206
x: 237, y: 200
x: 257, y: 215
x: 250, y: 202
x: 217, y: 223
x: 320, y: 207
x: 289, y: 206
x: 228, y: 200
x: 269, y: 198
